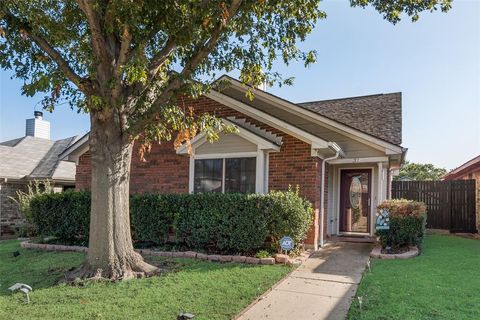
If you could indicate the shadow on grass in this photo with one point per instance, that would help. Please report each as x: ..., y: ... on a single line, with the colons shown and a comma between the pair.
x: 43, y: 269
x: 39, y: 269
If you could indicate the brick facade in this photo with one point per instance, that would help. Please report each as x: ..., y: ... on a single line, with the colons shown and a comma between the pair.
x: 11, y: 219
x: 164, y: 171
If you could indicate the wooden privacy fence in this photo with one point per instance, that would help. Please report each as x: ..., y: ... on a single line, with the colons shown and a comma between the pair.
x: 450, y: 204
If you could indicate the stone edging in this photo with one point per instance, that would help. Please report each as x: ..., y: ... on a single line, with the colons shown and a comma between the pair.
x: 377, y: 253
x: 176, y: 254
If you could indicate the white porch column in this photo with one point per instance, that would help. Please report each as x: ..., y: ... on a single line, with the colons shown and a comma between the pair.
x: 191, y: 172
x: 381, y: 195
x: 260, y: 172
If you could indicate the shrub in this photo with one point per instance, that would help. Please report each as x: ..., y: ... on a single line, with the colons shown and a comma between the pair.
x: 153, y: 215
x: 262, y: 254
x: 223, y: 222
x: 34, y: 189
x: 226, y: 223
x: 63, y: 215
x: 289, y: 214
x: 407, y: 224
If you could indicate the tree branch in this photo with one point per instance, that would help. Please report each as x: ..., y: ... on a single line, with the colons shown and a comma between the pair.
x: 121, y: 60
x: 160, y: 58
x: 83, y: 84
x: 124, y: 48
x: 200, y: 53
x: 98, y: 40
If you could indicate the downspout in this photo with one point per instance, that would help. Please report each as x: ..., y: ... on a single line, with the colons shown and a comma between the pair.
x: 338, y: 151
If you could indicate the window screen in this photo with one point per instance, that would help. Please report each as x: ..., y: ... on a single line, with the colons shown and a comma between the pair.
x: 240, y: 175
x: 208, y: 175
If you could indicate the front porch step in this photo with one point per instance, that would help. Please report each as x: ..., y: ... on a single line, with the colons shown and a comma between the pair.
x: 359, y: 239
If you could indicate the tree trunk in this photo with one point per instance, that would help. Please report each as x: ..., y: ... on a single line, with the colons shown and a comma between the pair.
x: 110, y: 249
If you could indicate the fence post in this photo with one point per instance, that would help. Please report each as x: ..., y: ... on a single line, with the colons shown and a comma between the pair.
x: 450, y: 204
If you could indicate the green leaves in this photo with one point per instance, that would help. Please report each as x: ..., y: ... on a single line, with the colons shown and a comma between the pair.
x: 407, y: 220
x: 420, y: 171
x: 392, y: 9
x: 142, y: 57
x: 227, y: 223
x: 63, y: 215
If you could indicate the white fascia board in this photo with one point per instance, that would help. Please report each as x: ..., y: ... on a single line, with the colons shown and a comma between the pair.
x: 262, y: 144
x: 74, y: 155
x: 14, y: 178
x: 355, y: 134
x: 250, y: 154
x: 359, y: 160
x: 316, y: 142
x: 77, y: 144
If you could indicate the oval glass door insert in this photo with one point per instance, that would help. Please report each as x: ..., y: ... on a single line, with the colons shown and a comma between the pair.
x: 355, y: 192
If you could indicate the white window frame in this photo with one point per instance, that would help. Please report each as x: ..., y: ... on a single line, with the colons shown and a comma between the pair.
x: 261, y: 168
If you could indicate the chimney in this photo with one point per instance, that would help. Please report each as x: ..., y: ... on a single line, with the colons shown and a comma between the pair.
x: 37, y: 127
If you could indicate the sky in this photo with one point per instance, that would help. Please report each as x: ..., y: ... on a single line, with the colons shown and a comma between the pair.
x: 434, y: 62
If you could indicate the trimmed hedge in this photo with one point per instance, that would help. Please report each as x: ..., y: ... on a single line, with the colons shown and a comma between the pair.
x: 63, y: 215
x: 407, y: 224
x: 225, y: 223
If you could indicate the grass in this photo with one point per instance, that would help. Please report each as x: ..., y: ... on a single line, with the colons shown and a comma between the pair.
x: 442, y: 283
x: 208, y: 290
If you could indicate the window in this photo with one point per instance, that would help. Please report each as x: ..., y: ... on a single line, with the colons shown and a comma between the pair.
x: 225, y: 175
x: 208, y: 175
x: 240, y: 175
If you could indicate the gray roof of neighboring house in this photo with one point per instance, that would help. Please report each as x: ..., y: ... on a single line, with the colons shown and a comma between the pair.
x: 36, y: 158
x: 379, y: 115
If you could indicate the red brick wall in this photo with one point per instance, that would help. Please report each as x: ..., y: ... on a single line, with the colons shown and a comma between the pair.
x: 165, y: 171
x: 83, y: 173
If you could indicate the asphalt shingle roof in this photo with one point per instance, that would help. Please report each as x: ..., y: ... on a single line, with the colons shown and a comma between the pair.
x: 35, y: 158
x: 379, y: 115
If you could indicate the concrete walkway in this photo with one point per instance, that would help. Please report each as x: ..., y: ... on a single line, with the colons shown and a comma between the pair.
x: 321, y: 288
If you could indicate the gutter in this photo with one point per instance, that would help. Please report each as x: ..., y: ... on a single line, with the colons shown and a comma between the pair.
x: 404, y: 155
x: 338, y: 151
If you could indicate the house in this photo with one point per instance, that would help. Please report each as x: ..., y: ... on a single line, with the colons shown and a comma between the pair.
x: 32, y: 157
x: 468, y: 170
x: 341, y: 153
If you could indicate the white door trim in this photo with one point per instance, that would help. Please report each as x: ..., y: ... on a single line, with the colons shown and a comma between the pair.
x: 373, y: 199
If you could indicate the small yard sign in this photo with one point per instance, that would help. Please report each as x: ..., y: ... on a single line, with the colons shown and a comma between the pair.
x: 286, y: 243
x: 383, y: 220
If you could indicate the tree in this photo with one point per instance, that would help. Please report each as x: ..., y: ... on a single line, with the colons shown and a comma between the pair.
x: 420, y: 171
x: 129, y: 63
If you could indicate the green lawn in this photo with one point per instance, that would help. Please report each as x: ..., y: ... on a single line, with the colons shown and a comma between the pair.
x: 442, y: 283
x: 208, y: 290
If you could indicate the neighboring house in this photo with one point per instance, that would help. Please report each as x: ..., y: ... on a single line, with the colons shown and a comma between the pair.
x: 32, y: 157
x: 468, y: 170
x: 341, y: 153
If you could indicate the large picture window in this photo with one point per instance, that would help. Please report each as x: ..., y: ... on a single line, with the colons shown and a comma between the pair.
x: 225, y: 175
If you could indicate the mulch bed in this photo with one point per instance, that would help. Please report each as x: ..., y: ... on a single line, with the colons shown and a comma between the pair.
x: 411, y: 252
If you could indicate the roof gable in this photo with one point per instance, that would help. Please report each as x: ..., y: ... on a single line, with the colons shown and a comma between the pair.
x: 379, y: 115
x: 275, y: 105
x: 50, y: 161
x: 34, y: 158
x: 470, y: 166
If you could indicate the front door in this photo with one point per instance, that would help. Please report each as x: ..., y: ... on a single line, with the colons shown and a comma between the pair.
x: 355, y: 194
